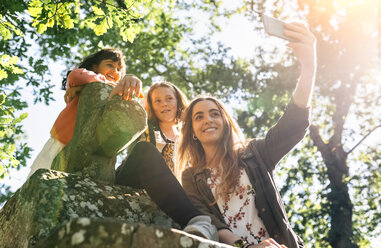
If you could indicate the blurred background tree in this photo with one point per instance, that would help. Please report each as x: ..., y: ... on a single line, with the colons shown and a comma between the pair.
x: 332, y: 181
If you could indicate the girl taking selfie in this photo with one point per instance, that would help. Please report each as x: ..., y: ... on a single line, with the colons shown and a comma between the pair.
x: 232, y: 181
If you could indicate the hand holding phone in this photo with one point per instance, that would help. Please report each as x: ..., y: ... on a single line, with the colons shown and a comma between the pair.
x: 275, y: 27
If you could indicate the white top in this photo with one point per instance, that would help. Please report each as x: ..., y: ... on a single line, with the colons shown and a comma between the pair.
x: 160, y: 142
x: 240, y: 212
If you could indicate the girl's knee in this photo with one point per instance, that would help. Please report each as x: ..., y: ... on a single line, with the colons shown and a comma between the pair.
x: 144, y: 147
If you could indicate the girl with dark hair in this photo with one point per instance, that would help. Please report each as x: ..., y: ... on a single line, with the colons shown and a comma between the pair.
x: 106, y: 66
x: 232, y: 181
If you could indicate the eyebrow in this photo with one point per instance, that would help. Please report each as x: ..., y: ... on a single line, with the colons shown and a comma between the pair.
x: 112, y: 61
x: 156, y: 97
x: 200, y: 112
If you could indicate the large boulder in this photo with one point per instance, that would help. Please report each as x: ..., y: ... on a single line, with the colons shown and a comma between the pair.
x: 50, y: 198
x: 113, y: 233
x: 103, y: 128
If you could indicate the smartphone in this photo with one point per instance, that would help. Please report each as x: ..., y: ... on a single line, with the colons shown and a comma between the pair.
x: 274, y: 27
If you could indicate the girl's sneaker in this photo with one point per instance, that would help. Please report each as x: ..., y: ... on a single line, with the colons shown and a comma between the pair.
x: 202, y: 226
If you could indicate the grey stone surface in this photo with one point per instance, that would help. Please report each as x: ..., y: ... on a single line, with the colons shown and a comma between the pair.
x: 108, y: 232
x: 103, y: 128
x: 50, y: 198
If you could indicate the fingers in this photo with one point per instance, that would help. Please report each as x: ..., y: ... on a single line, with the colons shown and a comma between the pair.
x: 298, y: 32
x: 72, y: 92
x: 132, y: 84
x: 303, y: 44
x: 269, y: 243
x: 114, y: 92
x: 126, y: 88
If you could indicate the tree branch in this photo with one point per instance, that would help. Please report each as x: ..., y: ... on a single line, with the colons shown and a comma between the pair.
x: 343, y: 101
x: 318, y: 141
x: 366, y: 136
x: 185, y: 78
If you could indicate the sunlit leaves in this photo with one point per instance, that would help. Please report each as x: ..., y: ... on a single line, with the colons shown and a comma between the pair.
x: 97, y: 11
x: 69, y: 26
x: 8, y: 64
x: 8, y: 122
x: 101, y: 17
x: 6, y: 29
x: 47, y: 13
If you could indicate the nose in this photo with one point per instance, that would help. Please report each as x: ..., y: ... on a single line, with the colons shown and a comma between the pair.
x: 115, y: 73
x: 208, y: 119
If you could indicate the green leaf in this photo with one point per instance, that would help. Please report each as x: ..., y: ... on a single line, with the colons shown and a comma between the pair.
x: 109, y: 22
x: 101, y: 28
x: 14, y: 162
x: 2, y: 171
x: 9, y: 132
x: 3, y: 74
x: 41, y: 27
x: 16, y: 70
x: 5, y: 120
x: 2, y: 98
x: 20, y: 118
x: 68, y: 22
x: 128, y: 34
x: 34, y: 11
x: 98, y: 11
x: 4, y: 32
x: 51, y: 22
x: 23, y: 116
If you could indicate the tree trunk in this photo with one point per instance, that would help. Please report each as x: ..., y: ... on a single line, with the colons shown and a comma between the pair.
x: 339, y: 202
x: 340, y: 205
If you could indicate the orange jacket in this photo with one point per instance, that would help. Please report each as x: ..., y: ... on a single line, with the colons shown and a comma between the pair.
x: 63, y: 128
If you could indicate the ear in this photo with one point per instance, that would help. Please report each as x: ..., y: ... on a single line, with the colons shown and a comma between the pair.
x: 95, y: 68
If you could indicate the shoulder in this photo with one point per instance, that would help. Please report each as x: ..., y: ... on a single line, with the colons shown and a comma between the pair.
x: 79, y: 76
x: 249, y: 150
x: 81, y: 71
x: 188, y: 172
x: 188, y: 176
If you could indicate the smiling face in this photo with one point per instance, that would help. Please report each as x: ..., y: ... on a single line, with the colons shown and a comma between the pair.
x: 110, y: 69
x: 164, y: 104
x: 207, y: 122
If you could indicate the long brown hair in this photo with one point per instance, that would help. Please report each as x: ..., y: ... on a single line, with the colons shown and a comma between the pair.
x: 182, y: 101
x: 191, y: 153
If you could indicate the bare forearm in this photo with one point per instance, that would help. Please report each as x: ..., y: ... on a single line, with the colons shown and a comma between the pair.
x: 303, y: 92
x: 304, y: 48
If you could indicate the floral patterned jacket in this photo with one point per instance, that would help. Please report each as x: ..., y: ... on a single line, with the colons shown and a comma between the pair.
x: 259, y: 160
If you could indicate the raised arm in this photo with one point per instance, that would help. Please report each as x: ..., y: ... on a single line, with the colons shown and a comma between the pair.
x: 304, y: 49
x: 81, y: 76
x: 76, y: 80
